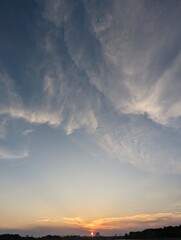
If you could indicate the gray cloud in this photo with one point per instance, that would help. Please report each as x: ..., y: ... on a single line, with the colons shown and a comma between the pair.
x: 3, y: 128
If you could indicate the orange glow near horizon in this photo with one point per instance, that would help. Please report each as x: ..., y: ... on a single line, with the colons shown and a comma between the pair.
x: 103, y: 225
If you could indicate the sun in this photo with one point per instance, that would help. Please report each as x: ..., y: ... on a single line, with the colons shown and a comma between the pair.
x: 92, y: 234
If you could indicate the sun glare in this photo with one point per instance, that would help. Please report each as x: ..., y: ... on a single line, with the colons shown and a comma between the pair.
x: 92, y: 234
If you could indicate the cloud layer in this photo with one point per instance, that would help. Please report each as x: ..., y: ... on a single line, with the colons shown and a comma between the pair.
x: 109, y: 67
x: 106, y: 226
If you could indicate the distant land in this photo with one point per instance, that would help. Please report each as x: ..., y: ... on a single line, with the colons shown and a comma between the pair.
x: 156, y: 233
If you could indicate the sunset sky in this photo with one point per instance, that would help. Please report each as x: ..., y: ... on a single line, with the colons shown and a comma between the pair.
x: 90, y: 116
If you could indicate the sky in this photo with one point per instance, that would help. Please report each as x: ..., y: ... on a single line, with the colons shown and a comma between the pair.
x: 90, y: 116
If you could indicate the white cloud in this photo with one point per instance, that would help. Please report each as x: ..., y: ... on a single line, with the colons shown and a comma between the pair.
x: 85, y: 120
x: 162, y: 100
x: 135, y: 140
x: 28, y: 131
x: 49, y: 86
x: 124, y: 72
x: 137, y: 45
x: 6, y: 154
x: 33, y: 116
x: 120, y: 61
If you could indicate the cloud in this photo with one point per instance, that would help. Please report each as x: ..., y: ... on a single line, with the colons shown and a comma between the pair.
x: 106, y: 226
x: 137, y: 221
x: 8, y: 155
x: 177, y: 204
x: 148, y: 84
x: 111, y: 68
x: 28, y: 131
x: 9, y: 96
x: 146, y: 65
x: 75, y: 221
x: 142, y: 82
x: 136, y: 140
x: 32, y: 116
x: 124, y: 223
x: 110, y: 226
x: 156, y: 103
x: 58, y: 11
x: 47, y: 220
x: 3, y: 128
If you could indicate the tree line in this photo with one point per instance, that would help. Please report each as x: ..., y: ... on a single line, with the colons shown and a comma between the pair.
x: 165, y: 232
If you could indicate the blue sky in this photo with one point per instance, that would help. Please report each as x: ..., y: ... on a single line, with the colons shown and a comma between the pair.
x: 90, y: 115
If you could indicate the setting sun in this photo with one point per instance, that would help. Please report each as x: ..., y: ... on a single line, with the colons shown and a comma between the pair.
x: 92, y: 234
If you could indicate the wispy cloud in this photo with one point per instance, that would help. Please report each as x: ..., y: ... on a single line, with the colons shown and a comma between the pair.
x: 3, y: 128
x: 137, y: 221
x: 123, y: 223
x: 145, y: 74
x: 33, y: 116
x: 28, y: 131
x: 132, y: 222
x: 6, y: 154
x: 47, y: 220
x: 108, y: 226
x: 75, y: 221
x: 109, y: 70
x: 156, y: 103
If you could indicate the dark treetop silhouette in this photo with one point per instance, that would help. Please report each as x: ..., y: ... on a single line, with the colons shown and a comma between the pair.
x: 165, y: 232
